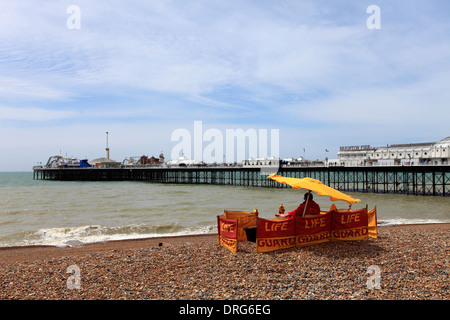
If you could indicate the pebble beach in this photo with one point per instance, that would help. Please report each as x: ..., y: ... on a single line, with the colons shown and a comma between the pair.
x: 406, y: 262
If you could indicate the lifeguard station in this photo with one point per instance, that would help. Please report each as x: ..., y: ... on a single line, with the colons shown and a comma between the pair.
x: 273, y: 234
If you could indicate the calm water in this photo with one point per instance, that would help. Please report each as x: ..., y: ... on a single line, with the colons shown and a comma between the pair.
x: 55, y: 212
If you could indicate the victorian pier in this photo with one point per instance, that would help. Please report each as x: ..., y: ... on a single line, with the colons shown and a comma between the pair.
x: 414, y: 180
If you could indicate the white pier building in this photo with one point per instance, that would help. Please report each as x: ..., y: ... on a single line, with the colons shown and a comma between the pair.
x: 413, y: 154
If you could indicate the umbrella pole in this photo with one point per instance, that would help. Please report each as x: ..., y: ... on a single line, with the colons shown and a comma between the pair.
x: 306, y: 204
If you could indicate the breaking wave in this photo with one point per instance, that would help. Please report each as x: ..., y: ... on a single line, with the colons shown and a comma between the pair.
x: 398, y: 221
x: 73, y: 236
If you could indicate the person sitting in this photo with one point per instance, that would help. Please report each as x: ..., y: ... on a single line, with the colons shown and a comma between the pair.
x: 312, y: 208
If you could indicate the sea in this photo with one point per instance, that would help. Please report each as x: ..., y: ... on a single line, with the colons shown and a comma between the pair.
x: 64, y: 213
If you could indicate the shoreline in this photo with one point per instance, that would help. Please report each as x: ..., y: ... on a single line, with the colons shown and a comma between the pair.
x: 412, y: 260
x: 34, y: 252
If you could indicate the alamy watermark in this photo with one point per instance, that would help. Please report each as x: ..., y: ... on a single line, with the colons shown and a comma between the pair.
x: 215, y: 146
x: 374, y: 21
x: 74, y: 281
x: 74, y: 19
x: 374, y: 280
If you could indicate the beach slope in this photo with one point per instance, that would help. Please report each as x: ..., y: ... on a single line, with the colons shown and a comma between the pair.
x: 406, y: 262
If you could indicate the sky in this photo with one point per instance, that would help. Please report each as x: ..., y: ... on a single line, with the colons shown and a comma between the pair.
x: 316, y: 71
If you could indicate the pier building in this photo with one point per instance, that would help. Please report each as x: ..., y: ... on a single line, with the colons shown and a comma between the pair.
x: 412, y: 154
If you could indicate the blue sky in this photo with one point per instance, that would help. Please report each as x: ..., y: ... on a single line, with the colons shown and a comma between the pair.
x: 142, y: 69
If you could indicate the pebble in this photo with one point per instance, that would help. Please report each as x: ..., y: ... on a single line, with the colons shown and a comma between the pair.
x: 412, y: 265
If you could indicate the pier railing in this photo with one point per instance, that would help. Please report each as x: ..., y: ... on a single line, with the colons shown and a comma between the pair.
x: 416, y: 180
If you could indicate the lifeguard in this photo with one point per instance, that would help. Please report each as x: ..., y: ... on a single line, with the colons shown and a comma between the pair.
x: 312, y: 208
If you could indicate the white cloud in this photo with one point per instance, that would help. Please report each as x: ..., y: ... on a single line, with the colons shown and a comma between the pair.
x: 26, y: 88
x: 309, y: 68
x: 33, y: 114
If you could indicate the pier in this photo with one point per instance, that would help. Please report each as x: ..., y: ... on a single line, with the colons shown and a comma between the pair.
x: 414, y: 180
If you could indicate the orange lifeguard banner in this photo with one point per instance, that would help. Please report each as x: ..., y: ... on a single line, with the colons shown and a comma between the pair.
x: 372, y: 223
x: 231, y: 227
x: 349, y: 225
x: 335, y: 225
x: 273, y: 235
x: 311, y: 230
x: 244, y: 219
x: 227, y: 231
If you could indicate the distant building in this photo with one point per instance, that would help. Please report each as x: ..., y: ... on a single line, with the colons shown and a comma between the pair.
x: 264, y: 161
x: 266, y: 165
x: 184, y: 162
x: 412, y: 154
x: 143, y: 160
x: 300, y: 162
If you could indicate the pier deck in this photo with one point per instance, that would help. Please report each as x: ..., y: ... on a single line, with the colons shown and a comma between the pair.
x: 416, y: 180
